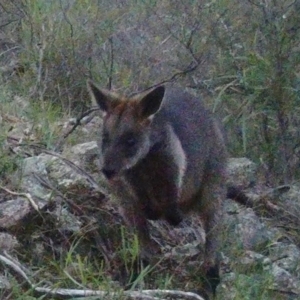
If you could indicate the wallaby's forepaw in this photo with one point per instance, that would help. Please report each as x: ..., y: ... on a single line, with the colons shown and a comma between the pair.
x: 152, y: 215
x: 174, y: 218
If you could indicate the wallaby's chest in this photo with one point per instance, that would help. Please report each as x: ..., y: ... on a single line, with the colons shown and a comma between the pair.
x: 153, y: 182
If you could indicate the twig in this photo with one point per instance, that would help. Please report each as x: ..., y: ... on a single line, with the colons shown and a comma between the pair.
x: 110, y: 76
x: 8, y: 50
x: 71, y: 293
x: 192, y: 67
x: 15, y: 266
x: 8, y: 22
x: 26, y: 195
x: 76, y: 124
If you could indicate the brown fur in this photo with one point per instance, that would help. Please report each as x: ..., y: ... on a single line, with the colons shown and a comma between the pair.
x: 164, y: 156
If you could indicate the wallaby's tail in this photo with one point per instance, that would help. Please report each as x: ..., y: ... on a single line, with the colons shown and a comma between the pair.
x: 239, y: 196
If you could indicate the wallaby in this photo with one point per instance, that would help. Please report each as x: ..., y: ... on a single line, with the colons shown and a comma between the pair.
x: 163, y: 156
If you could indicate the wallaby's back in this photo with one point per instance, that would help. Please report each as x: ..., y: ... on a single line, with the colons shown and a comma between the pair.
x: 200, y: 138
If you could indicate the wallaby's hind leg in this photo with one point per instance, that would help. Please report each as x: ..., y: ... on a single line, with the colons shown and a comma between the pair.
x: 210, y: 209
x: 211, y: 261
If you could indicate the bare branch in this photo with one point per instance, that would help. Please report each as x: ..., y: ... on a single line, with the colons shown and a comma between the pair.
x: 76, y: 124
x: 192, y: 67
x: 111, y: 69
x: 26, y: 195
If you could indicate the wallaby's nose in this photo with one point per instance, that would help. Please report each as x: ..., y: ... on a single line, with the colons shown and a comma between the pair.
x: 109, y: 174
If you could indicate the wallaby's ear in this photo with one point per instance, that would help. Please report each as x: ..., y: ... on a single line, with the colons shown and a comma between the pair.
x: 151, y: 102
x: 102, y: 97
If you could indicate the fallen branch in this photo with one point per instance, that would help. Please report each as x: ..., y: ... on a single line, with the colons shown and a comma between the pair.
x: 26, y: 195
x: 71, y: 293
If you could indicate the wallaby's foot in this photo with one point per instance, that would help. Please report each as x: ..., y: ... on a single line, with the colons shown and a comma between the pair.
x: 212, y: 279
x: 173, y: 216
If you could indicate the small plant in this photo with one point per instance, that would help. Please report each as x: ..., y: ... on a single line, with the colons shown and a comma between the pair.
x: 135, y: 272
x: 45, y: 123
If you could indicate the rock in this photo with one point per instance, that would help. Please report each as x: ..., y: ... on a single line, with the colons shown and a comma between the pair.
x: 67, y: 221
x: 283, y: 281
x: 13, y: 211
x: 8, y: 242
x: 286, y: 256
x: 253, y: 255
x: 31, y: 170
x: 4, y: 283
x: 85, y: 158
x: 241, y: 172
x: 262, y: 274
x: 45, y: 175
x: 248, y: 232
x: 85, y: 155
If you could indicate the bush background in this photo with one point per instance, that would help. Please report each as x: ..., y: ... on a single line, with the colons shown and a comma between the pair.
x: 241, y: 56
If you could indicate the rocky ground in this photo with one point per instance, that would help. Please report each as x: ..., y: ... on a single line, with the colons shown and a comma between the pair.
x: 55, y: 205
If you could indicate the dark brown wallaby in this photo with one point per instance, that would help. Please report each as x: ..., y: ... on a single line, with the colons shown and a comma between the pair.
x: 163, y: 156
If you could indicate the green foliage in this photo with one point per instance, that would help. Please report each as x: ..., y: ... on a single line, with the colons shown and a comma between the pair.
x: 8, y: 163
x: 75, y: 267
x: 45, y: 124
x: 129, y: 251
x: 243, y: 53
x: 8, y: 160
x: 259, y: 48
x: 129, y: 257
x: 257, y: 287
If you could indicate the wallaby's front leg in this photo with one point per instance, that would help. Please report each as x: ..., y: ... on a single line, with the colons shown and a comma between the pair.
x: 134, y: 216
x: 172, y: 213
x: 139, y: 224
x: 156, y: 185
